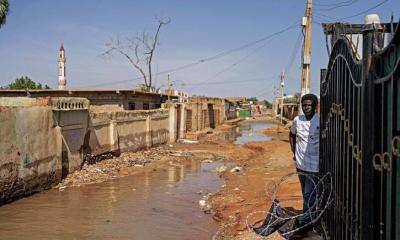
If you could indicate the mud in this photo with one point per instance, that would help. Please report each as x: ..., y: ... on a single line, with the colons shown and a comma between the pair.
x: 243, y: 193
x: 250, y: 169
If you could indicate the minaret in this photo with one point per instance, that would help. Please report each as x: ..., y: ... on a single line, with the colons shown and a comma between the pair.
x: 62, y: 81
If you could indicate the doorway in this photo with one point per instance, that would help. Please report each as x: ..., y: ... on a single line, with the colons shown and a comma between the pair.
x: 211, y: 115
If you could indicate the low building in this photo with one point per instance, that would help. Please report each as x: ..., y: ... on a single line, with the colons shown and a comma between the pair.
x: 178, y: 96
x: 204, y: 112
x: 122, y: 99
x: 290, y: 106
x: 230, y: 109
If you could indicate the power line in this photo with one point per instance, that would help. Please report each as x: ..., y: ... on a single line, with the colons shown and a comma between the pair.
x: 219, y: 55
x: 289, y: 65
x: 295, y: 50
x: 225, y: 82
x: 355, y: 15
x: 348, y: 3
x: 235, y: 64
x: 365, y: 11
x: 264, y: 91
x: 333, y: 4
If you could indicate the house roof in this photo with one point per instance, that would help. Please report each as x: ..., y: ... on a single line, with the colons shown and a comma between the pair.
x: 55, y: 92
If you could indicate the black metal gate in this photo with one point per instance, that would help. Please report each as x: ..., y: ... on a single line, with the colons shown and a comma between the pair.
x: 360, y: 136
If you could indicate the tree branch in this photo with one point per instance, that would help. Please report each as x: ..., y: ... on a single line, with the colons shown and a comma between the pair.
x: 143, y: 48
x: 134, y: 64
x: 153, y: 47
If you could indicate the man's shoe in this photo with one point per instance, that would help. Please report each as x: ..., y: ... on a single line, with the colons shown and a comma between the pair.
x: 302, y: 232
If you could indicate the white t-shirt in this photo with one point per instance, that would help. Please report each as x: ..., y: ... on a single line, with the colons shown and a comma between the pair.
x: 307, y: 142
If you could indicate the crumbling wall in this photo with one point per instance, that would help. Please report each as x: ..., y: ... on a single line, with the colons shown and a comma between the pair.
x: 30, y: 158
x: 44, y: 139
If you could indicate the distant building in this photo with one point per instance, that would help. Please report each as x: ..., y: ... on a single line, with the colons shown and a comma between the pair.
x: 62, y: 81
x: 237, y: 100
x: 290, y: 106
x: 181, y: 96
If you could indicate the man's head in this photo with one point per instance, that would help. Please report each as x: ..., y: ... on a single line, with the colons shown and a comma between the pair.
x: 309, y: 104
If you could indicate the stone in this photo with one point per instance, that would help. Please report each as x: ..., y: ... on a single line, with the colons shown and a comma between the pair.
x: 236, y: 169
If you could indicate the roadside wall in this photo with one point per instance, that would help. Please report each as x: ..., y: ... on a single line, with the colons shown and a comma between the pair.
x: 30, y: 154
x: 45, y: 139
x: 127, y: 130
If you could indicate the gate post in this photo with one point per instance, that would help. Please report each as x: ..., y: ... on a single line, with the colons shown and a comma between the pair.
x: 366, y: 209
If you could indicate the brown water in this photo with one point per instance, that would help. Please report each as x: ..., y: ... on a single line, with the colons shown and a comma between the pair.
x: 252, y: 132
x: 160, y: 204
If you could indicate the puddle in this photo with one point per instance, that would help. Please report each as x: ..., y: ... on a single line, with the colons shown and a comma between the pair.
x: 160, y: 204
x: 251, y: 132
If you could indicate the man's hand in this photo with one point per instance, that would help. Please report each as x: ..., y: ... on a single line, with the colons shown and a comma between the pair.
x: 292, y: 140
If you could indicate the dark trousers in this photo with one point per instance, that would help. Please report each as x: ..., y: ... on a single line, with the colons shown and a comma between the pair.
x: 309, y: 191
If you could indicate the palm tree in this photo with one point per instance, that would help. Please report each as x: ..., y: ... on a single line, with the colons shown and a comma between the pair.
x: 3, y: 11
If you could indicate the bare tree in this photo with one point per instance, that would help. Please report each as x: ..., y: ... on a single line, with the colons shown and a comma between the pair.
x: 139, y: 51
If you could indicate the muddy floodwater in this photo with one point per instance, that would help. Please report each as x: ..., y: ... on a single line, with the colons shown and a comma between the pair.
x: 162, y: 204
x: 156, y: 204
x: 252, y: 132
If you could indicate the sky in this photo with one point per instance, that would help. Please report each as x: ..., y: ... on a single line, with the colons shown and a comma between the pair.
x: 235, y: 48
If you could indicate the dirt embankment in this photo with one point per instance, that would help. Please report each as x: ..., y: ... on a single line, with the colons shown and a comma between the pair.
x: 247, y: 191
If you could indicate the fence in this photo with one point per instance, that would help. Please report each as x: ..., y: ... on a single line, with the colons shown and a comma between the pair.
x: 360, y: 136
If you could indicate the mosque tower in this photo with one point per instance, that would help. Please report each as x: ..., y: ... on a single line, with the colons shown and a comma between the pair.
x: 62, y: 81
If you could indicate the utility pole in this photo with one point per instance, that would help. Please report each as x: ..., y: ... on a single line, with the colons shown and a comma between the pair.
x: 169, y: 87
x: 306, y: 70
x: 282, y: 86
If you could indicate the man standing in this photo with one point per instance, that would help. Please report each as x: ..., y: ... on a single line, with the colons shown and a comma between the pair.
x: 304, y: 141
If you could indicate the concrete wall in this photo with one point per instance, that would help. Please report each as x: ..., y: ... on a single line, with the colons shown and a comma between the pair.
x: 30, y: 153
x: 128, y: 130
x: 44, y: 139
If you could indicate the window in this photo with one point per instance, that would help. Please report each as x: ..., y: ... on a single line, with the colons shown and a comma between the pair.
x: 145, y: 106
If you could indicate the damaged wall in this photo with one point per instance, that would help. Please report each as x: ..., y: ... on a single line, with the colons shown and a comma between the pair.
x: 30, y: 159
x: 47, y: 138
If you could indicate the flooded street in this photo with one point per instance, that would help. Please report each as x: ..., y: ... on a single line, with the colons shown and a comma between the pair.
x: 252, y: 132
x: 160, y: 203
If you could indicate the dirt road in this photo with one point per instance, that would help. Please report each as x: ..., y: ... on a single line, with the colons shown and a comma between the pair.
x: 259, y: 165
x: 252, y: 169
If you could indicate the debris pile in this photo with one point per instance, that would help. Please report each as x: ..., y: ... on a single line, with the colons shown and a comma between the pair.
x: 95, y: 170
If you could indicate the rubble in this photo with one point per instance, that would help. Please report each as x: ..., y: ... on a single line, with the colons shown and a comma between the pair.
x: 236, y: 169
x: 221, y: 169
x: 97, y: 169
x: 208, y: 161
x: 187, y: 141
